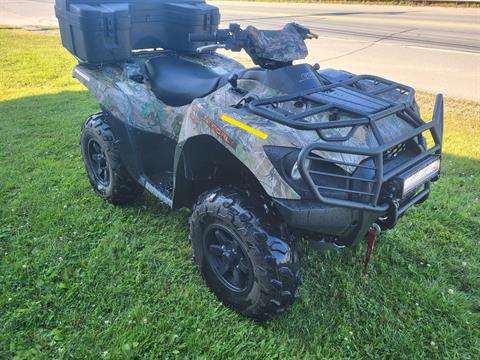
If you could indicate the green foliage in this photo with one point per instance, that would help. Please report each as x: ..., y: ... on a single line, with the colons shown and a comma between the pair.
x: 80, y: 278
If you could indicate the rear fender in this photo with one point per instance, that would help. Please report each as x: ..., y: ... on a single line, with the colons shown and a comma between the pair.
x: 129, y: 101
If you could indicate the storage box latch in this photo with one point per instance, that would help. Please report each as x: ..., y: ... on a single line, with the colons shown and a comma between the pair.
x: 109, y: 26
x: 207, y: 21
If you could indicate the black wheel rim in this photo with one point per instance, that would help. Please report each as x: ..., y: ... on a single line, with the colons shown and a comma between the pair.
x: 98, y: 163
x: 227, y: 259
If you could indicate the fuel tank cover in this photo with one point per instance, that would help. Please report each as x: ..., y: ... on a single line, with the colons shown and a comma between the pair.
x: 293, y: 78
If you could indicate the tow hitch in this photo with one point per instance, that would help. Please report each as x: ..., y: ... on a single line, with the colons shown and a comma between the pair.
x: 372, y: 236
x: 392, y: 215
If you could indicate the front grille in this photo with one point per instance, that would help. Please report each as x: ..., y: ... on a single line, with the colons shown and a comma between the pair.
x: 332, y: 180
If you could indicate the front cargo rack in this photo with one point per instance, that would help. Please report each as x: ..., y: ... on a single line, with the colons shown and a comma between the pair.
x: 366, y: 107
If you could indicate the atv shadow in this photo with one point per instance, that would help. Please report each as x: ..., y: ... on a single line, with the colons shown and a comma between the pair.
x: 138, y: 257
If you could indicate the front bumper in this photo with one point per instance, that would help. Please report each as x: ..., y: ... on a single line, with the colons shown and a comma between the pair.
x: 363, y: 201
x: 342, y: 225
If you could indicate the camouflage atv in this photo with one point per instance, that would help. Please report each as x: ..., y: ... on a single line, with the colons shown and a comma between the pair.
x: 263, y: 155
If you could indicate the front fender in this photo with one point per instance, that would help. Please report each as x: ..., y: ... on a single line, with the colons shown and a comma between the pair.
x: 204, y: 118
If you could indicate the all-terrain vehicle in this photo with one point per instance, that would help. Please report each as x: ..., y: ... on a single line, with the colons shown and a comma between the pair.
x: 262, y: 155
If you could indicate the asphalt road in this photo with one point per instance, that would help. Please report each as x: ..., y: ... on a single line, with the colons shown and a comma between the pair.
x: 431, y: 48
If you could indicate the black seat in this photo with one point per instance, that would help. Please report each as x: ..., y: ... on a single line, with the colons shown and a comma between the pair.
x: 176, y: 82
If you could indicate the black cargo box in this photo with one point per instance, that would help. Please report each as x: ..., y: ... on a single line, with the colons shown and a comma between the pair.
x: 103, y: 31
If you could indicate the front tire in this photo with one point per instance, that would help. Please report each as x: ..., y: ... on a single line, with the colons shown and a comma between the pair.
x: 106, y: 173
x: 244, y: 254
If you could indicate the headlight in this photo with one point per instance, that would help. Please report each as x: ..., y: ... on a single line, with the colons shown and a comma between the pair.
x: 295, y: 173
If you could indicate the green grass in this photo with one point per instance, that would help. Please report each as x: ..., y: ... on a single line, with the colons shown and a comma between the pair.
x: 80, y: 278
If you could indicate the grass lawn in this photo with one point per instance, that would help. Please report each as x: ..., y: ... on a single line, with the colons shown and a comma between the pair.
x: 80, y: 278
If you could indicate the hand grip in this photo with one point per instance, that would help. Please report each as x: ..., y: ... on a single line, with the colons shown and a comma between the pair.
x: 202, y: 37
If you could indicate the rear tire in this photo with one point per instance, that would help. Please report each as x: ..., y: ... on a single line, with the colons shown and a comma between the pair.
x: 106, y: 173
x: 232, y: 232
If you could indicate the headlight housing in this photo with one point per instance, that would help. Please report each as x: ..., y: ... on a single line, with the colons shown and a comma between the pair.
x: 284, y: 159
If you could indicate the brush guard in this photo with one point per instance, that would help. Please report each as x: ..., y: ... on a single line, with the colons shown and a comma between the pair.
x: 368, y: 107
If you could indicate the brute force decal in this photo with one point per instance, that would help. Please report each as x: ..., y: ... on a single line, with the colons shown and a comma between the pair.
x: 197, y: 115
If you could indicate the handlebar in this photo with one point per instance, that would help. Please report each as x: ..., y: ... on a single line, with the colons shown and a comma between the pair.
x: 202, y: 37
x: 235, y: 39
x: 217, y: 36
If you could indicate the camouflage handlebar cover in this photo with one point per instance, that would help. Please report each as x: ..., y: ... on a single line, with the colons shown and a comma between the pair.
x: 281, y: 46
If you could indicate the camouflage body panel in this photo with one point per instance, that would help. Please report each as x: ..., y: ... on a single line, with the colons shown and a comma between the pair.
x: 204, y: 117
x: 135, y: 104
x: 279, y: 45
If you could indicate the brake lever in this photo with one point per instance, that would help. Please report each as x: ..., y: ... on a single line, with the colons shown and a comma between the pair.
x: 210, y: 47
